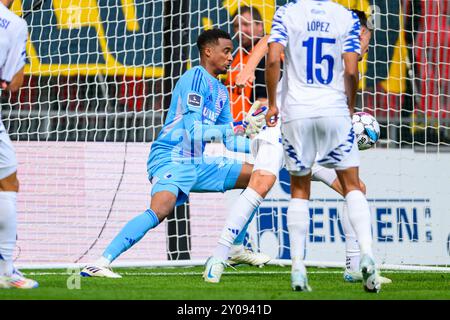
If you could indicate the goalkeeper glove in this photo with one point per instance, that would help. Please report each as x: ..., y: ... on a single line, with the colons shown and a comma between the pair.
x: 238, y: 128
x: 255, y: 120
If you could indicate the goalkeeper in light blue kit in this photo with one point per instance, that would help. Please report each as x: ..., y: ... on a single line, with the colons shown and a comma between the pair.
x: 199, y: 112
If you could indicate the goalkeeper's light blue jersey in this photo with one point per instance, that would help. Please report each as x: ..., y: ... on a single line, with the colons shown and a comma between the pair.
x: 199, y: 112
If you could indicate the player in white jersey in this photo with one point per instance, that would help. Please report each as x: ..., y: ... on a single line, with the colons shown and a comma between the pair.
x: 13, y: 37
x: 268, y: 153
x: 320, y: 40
x: 271, y: 156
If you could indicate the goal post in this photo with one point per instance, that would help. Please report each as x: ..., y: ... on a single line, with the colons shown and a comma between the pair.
x: 98, y: 85
x: 176, y: 57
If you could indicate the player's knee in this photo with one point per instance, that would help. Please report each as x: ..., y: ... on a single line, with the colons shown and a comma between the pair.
x: 243, y: 179
x: 349, y: 180
x: 162, y: 204
x: 301, y: 186
x: 300, y: 193
x: 262, y: 181
x: 162, y: 212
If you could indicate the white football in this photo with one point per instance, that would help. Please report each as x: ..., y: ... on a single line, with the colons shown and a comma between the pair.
x: 367, y: 130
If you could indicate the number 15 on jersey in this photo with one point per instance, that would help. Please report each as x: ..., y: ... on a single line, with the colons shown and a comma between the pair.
x: 313, y: 71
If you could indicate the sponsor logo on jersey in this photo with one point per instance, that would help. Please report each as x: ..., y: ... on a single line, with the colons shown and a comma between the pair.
x: 194, y: 100
x: 317, y: 11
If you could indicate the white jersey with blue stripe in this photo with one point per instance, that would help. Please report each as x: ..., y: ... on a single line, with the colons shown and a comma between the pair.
x: 315, y: 34
x: 13, y: 38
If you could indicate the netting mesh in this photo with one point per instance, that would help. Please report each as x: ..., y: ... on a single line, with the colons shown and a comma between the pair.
x: 97, y: 87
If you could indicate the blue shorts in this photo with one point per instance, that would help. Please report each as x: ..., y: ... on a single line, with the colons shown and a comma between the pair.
x: 214, y: 174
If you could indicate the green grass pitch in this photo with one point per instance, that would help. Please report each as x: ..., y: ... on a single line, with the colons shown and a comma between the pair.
x: 244, y: 283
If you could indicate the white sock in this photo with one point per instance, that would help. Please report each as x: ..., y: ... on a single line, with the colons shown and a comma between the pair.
x: 8, y: 231
x: 236, y: 249
x: 221, y: 252
x: 298, y: 224
x: 359, y: 216
x: 352, y: 251
x: 298, y: 265
x: 239, y: 214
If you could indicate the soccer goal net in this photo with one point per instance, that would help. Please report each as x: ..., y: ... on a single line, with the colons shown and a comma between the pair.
x: 98, y: 84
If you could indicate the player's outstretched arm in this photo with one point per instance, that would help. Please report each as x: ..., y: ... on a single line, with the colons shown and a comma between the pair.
x: 248, y: 72
x: 350, y: 55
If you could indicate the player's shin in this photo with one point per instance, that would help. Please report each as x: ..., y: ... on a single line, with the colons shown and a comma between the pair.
x: 298, y: 224
x: 238, y: 217
x: 241, y: 236
x: 359, y: 217
x: 352, y: 251
x: 239, y: 254
x: 133, y: 231
x: 8, y: 230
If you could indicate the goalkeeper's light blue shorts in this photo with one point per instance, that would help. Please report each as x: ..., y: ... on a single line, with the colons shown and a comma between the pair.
x: 214, y: 174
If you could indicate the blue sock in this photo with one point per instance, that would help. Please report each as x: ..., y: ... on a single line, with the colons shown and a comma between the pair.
x: 133, y: 231
x: 241, y: 236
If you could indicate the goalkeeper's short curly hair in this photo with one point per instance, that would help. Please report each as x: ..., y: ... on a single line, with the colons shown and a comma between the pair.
x: 211, y: 36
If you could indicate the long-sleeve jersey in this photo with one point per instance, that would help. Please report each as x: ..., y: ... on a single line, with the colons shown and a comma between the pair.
x: 199, y: 112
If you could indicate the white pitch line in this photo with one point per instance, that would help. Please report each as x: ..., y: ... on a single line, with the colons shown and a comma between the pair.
x: 167, y: 273
x: 201, y: 273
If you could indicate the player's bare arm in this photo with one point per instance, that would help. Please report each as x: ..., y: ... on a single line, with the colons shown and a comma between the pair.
x: 248, y: 72
x: 273, y: 69
x: 351, y: 78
